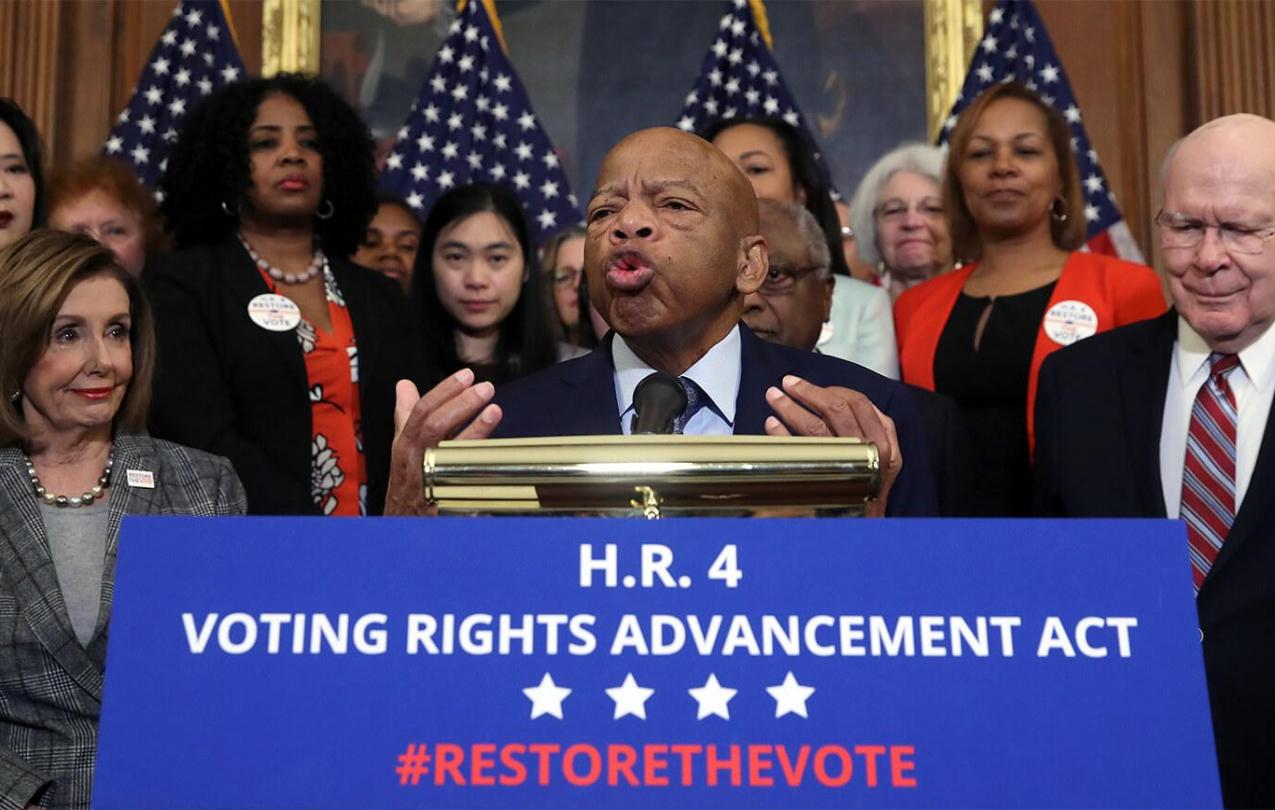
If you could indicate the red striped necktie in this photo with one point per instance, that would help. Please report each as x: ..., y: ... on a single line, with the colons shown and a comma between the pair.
x: 1208, y: 481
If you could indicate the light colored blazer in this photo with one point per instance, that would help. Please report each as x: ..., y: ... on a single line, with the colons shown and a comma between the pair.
x: 50, y: 685
x: 861, y: 327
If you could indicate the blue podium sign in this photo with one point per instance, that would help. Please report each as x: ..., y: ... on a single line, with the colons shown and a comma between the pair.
x: 576, y: 663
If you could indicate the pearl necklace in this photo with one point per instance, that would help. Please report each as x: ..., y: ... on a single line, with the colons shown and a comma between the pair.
x: 86, y: 499
x: 316, y: 266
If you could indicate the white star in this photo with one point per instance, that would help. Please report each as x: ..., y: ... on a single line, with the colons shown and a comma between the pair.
x: 482, y: 75
x: 712, y: 698
x: 123, y: 119
x: 732, y: 86
x: 482, y: 102
x: 1091, y: 213
x: 737, y: 28
x: 497, y: 172
x: 630, y: 698
x: 500, y: 112
x: 455, y: 121
x: 177, y: 107
x: 790, y: 697
x: 754, y: 68
x: 460, y: 92
x: 446, y: 54
x: 208, y: 58
x: 431, y: 113
x: 1093, y: 157
x: 1093, y: 184
x: 949, y: 123
x: 170, y: 136
x: 524, y: 150
x: 719, y: 49
x: 1030, y: 60
x: 114, y: 144
x: 547, y: 220
x: 479, y: 132
x: 736, y: 56
x: 146, y: 125
x: 1049, y: 74
x: 194, y: 17
x: 730, y: 113
x: 989, y: 44
x: 450, y: 151
x: 1072, y: 114
x: 499, y: 140
x: 471, y: 34
x: 140, y: 154
x: 438, y: 84
x: 502, y: 83
x: 205, y: 86
x: 546, y: 698
x: 454, y: 27
x: 753, y: 97
x: 402, y: 133
x: 984, y: 72
x: 182, y: 78
x: 792, y: 118
x: 419, y: 172
x: 550, y: 160
x: 154, y: 96
x: 425, y: 143
x: 996, y: 16
x: 711, y: 106
x: 395, y: 161
x: 522, y: 180
x: 189, y: 47
x: 465, y: 64
x: 1012, y: 53
x: 526, y: 121
x: 725, y: 22
x: 692, y: 98
x: 446, y: 180
x: 686, y: 123
x: 771, y: 105
x: 229, y: 73
x: 475, y: 161
x: 415, y: 200
x: 549, y: 189
x: 771, y: 77
x: 715, y: 77
x: 1030, y: 33
x: 213, y: 33
x: 161, y: 67
x: 169, y: 38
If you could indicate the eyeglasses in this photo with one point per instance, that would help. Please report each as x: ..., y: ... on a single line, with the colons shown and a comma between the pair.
x: 566, y: 278
x: 1177, y: 231
x: 896, y: 209
x: 783, y: 280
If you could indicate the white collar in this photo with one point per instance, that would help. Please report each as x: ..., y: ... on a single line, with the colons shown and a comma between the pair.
x: 1257, y: 359
x: 716, y: 373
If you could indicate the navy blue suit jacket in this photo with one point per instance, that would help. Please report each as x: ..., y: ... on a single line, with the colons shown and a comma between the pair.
x: 577, y: 398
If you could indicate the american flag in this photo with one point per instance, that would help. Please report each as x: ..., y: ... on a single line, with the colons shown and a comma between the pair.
x: 472, y: 123
x: 740, y: 78
x: 1016, y: 47
x: 195, y: 55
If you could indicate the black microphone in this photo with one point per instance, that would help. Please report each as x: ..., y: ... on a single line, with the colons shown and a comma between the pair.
x: 657, y: 402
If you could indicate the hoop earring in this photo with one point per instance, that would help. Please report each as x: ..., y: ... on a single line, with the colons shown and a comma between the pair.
x: 226, y: 209
x: 1058, y: 210
x: 331, y: 210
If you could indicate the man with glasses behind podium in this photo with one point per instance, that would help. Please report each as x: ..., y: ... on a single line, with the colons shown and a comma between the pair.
x: 1171, y: 417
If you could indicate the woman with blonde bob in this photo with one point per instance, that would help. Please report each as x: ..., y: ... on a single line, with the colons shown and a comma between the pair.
x: 979, y: 334
x: 79, y: 352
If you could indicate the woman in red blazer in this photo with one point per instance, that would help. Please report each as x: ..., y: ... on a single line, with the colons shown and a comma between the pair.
x: 980, y: 333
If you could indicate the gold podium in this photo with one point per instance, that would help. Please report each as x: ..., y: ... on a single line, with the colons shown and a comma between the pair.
x: 654, y: 476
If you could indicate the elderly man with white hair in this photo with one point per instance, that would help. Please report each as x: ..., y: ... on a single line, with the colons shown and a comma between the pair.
x: 1171, y: 417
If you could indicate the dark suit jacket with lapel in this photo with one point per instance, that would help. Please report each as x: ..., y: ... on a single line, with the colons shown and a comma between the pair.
x: 577, y: 398
x: 1098, y: 419
x: 228, y: 386
x: 50, y: 685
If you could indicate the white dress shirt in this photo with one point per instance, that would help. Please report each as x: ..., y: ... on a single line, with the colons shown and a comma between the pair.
x: 1253, y: 384
x: 716, y: 373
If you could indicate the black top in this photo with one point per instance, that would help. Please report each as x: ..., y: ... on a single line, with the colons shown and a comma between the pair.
x: 225, y: 385
x: 989, y: 384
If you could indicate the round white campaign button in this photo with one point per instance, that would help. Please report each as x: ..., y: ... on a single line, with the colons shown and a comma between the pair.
x: 274, y: 312
x: 1069, y: 321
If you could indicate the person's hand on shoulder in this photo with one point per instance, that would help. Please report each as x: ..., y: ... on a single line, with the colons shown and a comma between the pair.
x: 806, y: 409
x: 456, y: 408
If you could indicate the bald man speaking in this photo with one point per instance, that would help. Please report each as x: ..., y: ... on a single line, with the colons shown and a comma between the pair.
x: 673, y: 247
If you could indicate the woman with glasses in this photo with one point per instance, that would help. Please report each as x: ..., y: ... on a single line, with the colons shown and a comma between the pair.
x: 979, y: 334
x: 562, y: 258
x: 898, y: 218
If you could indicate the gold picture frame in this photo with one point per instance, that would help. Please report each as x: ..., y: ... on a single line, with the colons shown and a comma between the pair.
x: 953, y: 28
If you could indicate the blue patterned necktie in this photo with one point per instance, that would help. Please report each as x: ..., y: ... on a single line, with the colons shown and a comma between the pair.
x: 695, y: 399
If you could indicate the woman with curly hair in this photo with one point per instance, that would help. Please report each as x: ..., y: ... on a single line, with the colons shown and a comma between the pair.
x: 275, y: 351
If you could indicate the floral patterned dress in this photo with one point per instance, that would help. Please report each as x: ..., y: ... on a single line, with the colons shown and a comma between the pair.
x: 338, y: 469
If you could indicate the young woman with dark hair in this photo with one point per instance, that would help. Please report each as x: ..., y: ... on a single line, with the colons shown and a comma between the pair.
x: 22, y: 194
x: 276, y: 351
x: 476, y: 290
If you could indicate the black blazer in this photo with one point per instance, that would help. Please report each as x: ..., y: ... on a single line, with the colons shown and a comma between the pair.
x: 225, y: 385
x: 1098, y: 416
x: 577, y: 398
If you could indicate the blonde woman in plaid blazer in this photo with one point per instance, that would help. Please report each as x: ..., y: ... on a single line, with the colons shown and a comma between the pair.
x: 79, y: 352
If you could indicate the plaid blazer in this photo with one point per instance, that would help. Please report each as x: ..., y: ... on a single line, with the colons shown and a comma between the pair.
x: 50, y: 685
